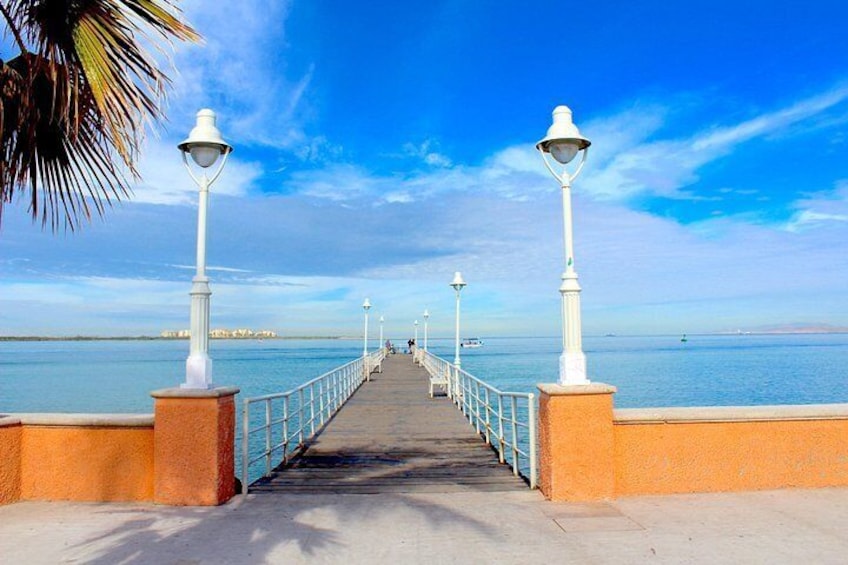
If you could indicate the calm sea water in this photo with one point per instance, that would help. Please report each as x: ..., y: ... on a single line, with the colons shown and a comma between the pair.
x: 117, y: 376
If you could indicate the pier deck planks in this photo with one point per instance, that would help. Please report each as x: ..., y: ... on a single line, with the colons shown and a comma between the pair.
x: 391, y: 437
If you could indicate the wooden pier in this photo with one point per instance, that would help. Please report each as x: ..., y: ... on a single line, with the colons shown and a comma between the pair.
x: 392, y: 437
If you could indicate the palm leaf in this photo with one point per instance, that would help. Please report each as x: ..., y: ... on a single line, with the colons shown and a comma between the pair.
x: 75, y: 103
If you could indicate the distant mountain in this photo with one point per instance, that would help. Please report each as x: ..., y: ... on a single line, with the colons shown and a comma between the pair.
x: 796, y: 328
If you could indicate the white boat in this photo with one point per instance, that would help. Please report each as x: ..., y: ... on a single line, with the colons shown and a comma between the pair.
x: 472, y: 342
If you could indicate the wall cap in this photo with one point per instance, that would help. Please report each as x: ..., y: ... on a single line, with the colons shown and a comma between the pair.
x: 9, y: 420
x: 576, y: 390
x: 730, y: 414
x: 176, y: 392
x: 93, y: 420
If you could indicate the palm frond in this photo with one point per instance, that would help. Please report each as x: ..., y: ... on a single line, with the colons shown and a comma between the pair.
x: 73, y: 111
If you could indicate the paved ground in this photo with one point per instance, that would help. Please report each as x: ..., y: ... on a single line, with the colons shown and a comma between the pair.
x: 793, y: 526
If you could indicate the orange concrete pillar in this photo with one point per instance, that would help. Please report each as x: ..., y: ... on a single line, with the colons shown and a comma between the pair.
x: 10, y: 460
x: 193, y: 451
x: 576, y: 449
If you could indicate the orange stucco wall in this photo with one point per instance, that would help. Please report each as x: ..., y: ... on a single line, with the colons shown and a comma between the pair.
x: 184, y: 455
x: 195, y: 431
x: 87, y: 463
x: 576, y: 442
x: 659, y: 458
x: 588, y: 451
x: 10, y: 461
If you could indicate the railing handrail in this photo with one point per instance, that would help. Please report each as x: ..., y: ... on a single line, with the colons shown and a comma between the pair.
x: 479, y: 410
x: 291, y: 391
x: 335, y: 387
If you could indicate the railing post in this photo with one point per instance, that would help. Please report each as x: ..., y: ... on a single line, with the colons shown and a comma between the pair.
x: 465, y: 395
x: 285, y: 430
x: 514, y: 418
x: 476, y: 407
x: 245, y: 445
x: 500, y: 429
x: 531, y: 430
x: 488, y: 420
x: 268, y: 437
x: 312, y: 410
x: 321, y: 400
x: 300, y: 423
x: 338, y: 391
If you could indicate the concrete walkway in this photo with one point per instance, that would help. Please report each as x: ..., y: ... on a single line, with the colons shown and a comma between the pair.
x: 791, y: 526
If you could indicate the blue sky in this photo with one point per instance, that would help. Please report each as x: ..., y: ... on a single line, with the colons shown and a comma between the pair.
x: 381, y: 146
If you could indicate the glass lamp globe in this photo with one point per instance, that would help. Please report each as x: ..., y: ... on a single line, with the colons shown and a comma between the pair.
x: 205, y: 155
x: 563, y: 151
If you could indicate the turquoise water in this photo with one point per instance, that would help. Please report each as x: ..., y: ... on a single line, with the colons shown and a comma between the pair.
x: 117, y: 376
x: 713, y: 370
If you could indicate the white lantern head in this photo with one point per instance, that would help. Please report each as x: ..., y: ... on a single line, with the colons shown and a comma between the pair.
x: 204, y: 142
x: 457, y: 283
x: 366, y: 305
x: 563, y: 140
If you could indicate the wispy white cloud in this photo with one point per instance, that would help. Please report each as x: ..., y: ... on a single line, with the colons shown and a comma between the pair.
x: 642, y: 165
x: 339, y: 183
x: 628, y: 159
x: 211, y: 268
x: 427, y: 152
x: 241, y: 71
x: 820, y: 209
x: 684, y: 278
x: 165, y: 180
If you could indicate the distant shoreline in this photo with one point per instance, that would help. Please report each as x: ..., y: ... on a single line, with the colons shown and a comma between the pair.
x: 157, y: 338
x: 775, y: 332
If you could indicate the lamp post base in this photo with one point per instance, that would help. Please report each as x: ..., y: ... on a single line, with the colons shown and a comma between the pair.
x: 572, y: 368
x: 198, y: 372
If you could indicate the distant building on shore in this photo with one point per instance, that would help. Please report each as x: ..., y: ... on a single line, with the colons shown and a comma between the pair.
x: 220, y: 333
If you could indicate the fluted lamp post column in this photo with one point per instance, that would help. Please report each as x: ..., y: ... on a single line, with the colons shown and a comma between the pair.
x: 562, y: 143
x: 205, y: 145
x: 458, y: 284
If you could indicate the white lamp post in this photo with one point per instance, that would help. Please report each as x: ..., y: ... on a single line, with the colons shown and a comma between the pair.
x: 381, y: 331
x: 205, y: 145
x: 415, y: 341
x: 562, y: 143
x: 426, y: 317
x: 458, y: 284
x: 365, y: 367
x: 365, y: 306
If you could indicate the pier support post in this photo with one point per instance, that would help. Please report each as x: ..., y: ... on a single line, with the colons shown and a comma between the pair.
x: 194, y: 433
x: 576, y: 443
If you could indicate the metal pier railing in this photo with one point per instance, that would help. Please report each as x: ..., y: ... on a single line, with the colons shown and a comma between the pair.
x: 293, y: 417
x: 505, y: 420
